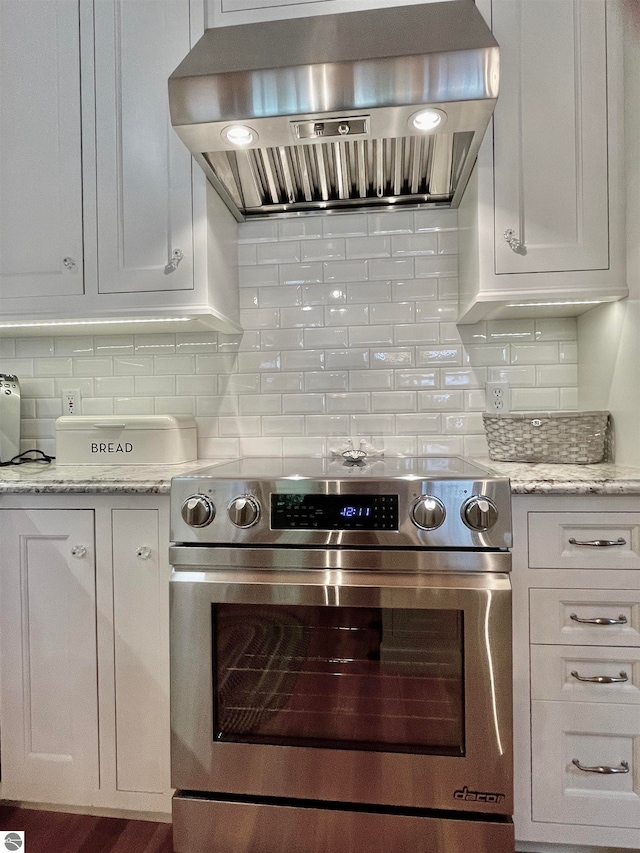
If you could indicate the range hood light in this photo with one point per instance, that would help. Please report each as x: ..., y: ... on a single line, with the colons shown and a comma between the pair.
x: 240, y: 134
x: 427, y: 120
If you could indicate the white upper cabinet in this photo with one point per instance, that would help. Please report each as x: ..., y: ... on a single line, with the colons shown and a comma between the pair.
x: 144, y: 170
x: 542, y: 220
x: 41, y: 251
x: 222, y: 13
x: 90, y: 164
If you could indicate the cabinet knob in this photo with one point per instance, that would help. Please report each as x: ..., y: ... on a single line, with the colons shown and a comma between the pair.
x: 69, y: 263
x: 176, y: 256
x: 144, y: 552
x: 78, y: 551
x: 514, y: 243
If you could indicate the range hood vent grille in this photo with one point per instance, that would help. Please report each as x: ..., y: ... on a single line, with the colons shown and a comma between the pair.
x: 341, y: 174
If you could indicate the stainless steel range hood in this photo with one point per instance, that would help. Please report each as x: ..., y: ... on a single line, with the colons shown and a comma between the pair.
x: 326, y: 113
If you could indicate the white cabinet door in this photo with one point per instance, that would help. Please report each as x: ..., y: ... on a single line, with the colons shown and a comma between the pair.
x: 49, y: 666
x: 141, y: 617
x: 41, y: 247
x: 550, y: 135
x: 221, y: 13
x: 144, y: 197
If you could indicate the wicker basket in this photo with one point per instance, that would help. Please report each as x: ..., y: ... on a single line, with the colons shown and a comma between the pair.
x: 567, y: 437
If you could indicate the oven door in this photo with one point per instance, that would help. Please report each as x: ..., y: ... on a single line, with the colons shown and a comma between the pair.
x: 386, y: 688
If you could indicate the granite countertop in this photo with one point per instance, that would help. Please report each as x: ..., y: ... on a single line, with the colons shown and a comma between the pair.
x: 37, y: 479
x: 544, y: 478
x: 526, y: 478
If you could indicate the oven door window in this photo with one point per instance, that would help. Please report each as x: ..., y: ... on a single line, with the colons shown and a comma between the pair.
x: 341, y: 677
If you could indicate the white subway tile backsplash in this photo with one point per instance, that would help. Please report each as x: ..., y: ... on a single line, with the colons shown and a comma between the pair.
x: 423, y: 288
x: 279, y: 297
x: 371, y: 380
x: 349, y: 332
x: 370, y: 292
x: 302, y: 316
x: 157, y: 344
x: 556, y: 329
x: 418, y: 424
x: 416, y: 333
x: 416, y: 379
x: 146, y: 405
x: 350, y: 403
x: 535, y: 399
x: 301, y: 273
x: 326, y: 380
x: 353, y: 225
x: 348, y: 315
x: 440, y: 265
x: 324, y: 294
x: 35, y: 348
x: 557, y: 375
x: 115, y: 344
x: 546, y: 353
x: 396, y: 222
x: 304, y: 404
x: 345, y: 271
x: 74, y: 346
x: 278, y: 253
x: 439, y: 401
x: 260, y: 404
x: 368, y: 247
x: 347, y: 358
x: 414, y: 244
x: 114, y: 386
x: 391, y: 268
x: 133, y: 364
x: 393, y: 401
x: 396, y: 312
x: 52, y: 367
x: 323, y: 250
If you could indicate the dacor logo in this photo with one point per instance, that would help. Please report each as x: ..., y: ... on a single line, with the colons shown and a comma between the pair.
x: 14, y: 840
x: 477, y: 796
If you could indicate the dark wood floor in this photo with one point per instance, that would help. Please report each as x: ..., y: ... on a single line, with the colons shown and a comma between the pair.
x: 53, y: 832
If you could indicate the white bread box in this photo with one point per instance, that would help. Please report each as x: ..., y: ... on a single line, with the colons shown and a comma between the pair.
x: 125, y: 439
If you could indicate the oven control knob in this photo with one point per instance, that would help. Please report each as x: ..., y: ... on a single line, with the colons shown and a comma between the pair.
x: 198, y: 511
x: 428, y: 512
x: 244, y: 511
x: 479, y: 513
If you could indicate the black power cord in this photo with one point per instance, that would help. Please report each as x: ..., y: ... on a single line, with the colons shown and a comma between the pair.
x: 24, y: 457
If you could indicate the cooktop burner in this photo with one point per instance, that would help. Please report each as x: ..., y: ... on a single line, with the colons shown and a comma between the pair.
x: 338, y: 467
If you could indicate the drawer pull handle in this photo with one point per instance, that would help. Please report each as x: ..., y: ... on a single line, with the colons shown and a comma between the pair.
x: 608, y: 771
x: 600, y: 679
x: 599, y: 620
x: 599, y: 543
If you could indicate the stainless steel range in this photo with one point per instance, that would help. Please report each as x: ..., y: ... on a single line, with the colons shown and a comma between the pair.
x: 341, y: 657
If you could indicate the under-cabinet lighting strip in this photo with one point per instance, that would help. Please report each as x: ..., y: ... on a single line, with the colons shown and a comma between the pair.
x: 94, y: 322
x: 566, y: 302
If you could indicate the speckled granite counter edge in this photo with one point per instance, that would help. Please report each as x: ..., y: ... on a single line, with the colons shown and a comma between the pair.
x: 37, y: 479
x: 550, y: 479
x: 526, y: 479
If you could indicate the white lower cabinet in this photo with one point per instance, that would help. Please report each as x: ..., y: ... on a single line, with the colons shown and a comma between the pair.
x: 576, y: 591
x: 84, y: 690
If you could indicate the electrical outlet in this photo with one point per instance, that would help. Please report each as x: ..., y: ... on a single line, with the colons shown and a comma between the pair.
x: 71, y: 401
x: 497, y: 397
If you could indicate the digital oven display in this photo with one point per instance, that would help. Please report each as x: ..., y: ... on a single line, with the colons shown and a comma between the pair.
x: 334, y: 512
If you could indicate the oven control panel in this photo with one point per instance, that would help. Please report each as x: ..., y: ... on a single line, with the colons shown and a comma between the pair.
x: 452, y: 513
x: 334, y: 512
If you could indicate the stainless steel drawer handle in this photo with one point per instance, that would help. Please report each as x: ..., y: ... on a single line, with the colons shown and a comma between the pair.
x: 608, y: 771
x: 600, y: 679
x: 599, y: 620
x: 599, y: 543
